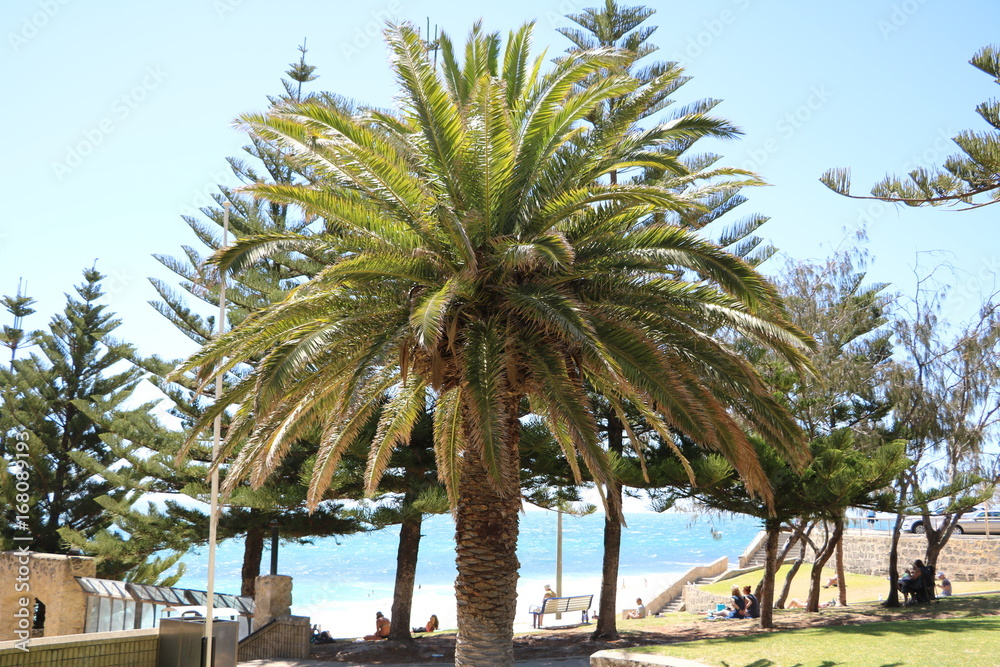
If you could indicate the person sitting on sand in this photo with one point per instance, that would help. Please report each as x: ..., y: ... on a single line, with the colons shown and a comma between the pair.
x: 320, y: 636
x: 752, y: 605
x: 432, y: 625
x: 382, y: 627
x: 638, y: 612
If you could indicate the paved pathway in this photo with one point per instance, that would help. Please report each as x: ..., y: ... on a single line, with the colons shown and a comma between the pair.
x: 560, y: 662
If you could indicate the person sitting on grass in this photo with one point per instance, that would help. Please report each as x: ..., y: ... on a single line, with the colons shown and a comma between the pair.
x: 432, y: 625
x: 738, y: 606
x: 638, y: 612
x: 915, y: 587
x: 796, y: 603
x: 832, y: 581
x: 382, y: 627
x: 944, y: 586
x: 904, y: 587
x: 752, y: 604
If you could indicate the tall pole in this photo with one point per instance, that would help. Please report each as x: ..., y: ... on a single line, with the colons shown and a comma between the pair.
x: 274, y: 547
x: 213, y: 517
x: 559, y: 556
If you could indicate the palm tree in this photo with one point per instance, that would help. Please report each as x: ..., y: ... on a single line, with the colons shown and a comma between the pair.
x: 478, y: 255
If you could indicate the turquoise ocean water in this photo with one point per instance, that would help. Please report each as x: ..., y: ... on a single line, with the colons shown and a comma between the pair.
x: 342, y: 583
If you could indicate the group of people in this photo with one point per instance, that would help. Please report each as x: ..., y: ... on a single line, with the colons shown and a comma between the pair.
x: 742, y: 604
x: 917, y: 583
x: 383, y: 626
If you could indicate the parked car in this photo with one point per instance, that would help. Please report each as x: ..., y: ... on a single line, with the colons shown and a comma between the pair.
x: 915, y: 524
x: 979, y: 522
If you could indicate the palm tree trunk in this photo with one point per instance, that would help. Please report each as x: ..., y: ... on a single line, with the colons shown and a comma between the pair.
x: 486, y: 529
x: 607, y: 622
x: 406, y: 570
x: 770, y: 569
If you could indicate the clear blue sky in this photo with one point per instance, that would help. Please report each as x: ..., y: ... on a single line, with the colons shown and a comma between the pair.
x: 144, y: 94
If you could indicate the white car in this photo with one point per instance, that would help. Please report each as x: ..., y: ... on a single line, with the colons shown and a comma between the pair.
x: 915, y: 524
x: 979, y: 522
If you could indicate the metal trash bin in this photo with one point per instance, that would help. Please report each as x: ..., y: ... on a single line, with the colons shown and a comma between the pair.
x: 182, y: 643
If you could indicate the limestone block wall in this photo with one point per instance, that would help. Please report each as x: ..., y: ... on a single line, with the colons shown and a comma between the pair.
x: 964, y: 559
x: 272, y: 599
x: 26, y: 577
x: 287, y: 637
x: 697, y: 601
x: 132, y: 648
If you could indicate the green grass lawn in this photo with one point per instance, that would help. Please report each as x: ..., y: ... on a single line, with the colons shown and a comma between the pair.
x: 860, y: 587
x: 965, y: 633
x: 948, y: 642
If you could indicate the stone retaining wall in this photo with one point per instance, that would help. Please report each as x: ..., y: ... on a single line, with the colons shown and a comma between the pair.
x: 287, y: 637
x: 131, y: 648
x: 963, y: 558
x: 697, y: 601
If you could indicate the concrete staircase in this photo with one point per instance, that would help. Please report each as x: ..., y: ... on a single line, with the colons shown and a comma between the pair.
x: 759, y: 556
x: 677, y: 603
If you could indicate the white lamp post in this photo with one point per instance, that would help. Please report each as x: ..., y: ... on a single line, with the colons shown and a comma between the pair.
x: 213, y: 518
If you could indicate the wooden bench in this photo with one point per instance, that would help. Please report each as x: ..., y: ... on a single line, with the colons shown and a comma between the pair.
x: 580, y: 603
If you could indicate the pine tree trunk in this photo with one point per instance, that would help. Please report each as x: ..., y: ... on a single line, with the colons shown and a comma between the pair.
x: 893, y: 599
x: 253, y: 551
x: 607, y: 618
x: 780, y: 603
x: 766, y: 596
x: 406, y: 571
x: 821, y: 559
x: 841, y: 581
x: 486, y: 529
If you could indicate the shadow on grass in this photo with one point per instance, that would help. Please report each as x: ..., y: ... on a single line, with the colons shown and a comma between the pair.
x: 826, y: 663
x: 965, y: 604
x: 757, y: 643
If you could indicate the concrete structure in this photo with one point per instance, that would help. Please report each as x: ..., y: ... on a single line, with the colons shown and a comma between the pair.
x: 27, y: 577
x: 273, y: 599
x: 616, y: 658
x: 677, y: 588
x: 131, y: 648
x: 287, y: 637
